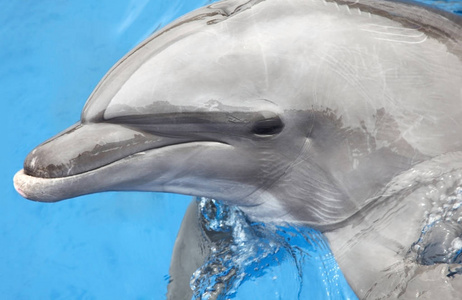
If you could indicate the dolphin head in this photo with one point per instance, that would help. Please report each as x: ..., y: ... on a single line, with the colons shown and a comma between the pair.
x: 225, y: 105
x: 174, y: 117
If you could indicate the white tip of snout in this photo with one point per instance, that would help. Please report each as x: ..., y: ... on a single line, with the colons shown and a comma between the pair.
x: 18, y: 182
x: 34, y: 188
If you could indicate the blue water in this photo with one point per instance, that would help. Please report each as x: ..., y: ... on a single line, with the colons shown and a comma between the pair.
x: 110, y: 245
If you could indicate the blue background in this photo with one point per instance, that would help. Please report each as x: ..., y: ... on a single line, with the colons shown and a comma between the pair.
x: 104, y: 246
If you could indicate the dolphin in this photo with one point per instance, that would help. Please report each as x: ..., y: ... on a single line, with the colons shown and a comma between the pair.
x: 327, y: 113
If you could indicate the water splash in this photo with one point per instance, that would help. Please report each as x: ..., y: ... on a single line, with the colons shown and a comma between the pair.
x: 246, y: 256
x: 440, y: 240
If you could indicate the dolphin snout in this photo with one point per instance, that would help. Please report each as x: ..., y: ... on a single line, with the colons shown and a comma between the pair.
x: 85, y: 147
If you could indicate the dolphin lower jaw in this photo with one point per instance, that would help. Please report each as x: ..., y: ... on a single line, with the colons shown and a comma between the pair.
x: 150, y: 170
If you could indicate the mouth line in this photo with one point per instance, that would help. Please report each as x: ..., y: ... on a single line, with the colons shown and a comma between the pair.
x: 54, y: 189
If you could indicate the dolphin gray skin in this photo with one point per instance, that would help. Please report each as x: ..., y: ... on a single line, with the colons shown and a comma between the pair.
x: 325, y: 113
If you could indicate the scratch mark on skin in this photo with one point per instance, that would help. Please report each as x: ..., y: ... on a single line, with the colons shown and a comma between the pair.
x: 393, y: 28
x: 347, y: 73
x: 395, y: 34
x: 336, y: 5
x: 404, y: 42
x: 33, y: 161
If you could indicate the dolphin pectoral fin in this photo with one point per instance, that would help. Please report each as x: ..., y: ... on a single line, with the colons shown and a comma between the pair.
x: 189, y: 253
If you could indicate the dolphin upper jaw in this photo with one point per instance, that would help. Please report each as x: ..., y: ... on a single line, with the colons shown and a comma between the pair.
x: 84, y: 147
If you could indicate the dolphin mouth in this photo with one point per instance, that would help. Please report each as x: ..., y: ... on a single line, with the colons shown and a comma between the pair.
x: 73, y: 162
x: 106, y: 177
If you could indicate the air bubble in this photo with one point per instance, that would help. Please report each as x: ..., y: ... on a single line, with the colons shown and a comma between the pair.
x: 441, y: 185
x: 458, y: 175
x: 433, y: 218
x: 432, y: 193
x: 443, y: 198
x: 456, y: 244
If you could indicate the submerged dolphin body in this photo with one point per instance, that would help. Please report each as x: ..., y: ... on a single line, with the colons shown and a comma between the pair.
x: 302, y: 111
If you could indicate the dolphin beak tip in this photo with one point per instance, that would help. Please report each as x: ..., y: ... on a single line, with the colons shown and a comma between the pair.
x: 26, y: 187
x: 18, y: 182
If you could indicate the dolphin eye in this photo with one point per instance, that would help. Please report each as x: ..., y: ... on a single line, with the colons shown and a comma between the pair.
x: 269, y: 126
